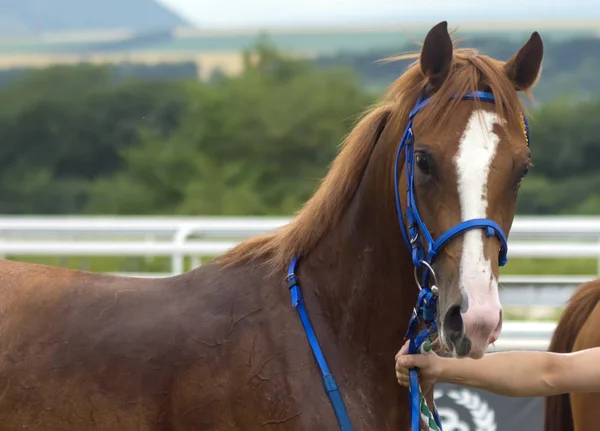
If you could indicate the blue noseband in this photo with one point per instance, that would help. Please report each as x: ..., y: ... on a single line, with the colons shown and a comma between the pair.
x: 425, y: 310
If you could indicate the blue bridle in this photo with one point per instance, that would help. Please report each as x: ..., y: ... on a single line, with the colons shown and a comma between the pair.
x: 426, y: 307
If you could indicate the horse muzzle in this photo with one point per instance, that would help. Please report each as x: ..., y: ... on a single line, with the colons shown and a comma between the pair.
x: 469, y: 332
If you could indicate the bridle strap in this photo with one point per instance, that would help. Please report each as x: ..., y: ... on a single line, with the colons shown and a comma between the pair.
x: 328, y: 381
x: 490, y: 227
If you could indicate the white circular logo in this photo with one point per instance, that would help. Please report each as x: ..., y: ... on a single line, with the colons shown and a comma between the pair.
x: 480, y: 415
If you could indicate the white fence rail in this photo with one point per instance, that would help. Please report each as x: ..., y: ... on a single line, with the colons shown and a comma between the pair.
x: 524, y: 335
x: 198, y: 237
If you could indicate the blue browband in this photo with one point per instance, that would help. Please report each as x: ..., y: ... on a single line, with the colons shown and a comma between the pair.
x: 425, y: 310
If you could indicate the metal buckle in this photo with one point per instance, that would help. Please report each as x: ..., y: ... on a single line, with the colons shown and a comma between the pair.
x: 414, y: 239
x: 291, y: 280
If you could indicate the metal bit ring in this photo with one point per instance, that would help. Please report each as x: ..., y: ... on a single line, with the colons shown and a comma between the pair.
x: 435, y: 282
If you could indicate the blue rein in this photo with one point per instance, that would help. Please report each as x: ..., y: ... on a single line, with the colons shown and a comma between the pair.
x: 426, y: 307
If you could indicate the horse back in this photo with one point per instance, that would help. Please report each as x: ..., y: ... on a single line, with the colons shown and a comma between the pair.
x: 208, y: 350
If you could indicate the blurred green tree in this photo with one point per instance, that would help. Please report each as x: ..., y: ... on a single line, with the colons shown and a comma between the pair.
x: 256, y: 143
x: 63, y: 127
x: 77, y: 139
x: 565, y: 152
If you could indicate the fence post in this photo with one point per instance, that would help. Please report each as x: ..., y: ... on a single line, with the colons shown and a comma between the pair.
x: 177, y: 258
x: 598, y: 261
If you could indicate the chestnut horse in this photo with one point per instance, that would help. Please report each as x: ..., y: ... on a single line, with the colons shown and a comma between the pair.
x: 577, y: 330
x: 221, y: 347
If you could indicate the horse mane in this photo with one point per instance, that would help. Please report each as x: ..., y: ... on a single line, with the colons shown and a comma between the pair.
x: 470, y: 72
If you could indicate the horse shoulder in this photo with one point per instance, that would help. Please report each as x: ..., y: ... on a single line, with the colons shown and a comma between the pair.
x: 251, y: 363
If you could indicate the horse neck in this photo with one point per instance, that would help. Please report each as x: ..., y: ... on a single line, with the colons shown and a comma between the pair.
x: 361, y: 272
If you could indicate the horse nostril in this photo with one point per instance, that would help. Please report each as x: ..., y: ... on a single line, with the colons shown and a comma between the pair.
x: 453, y: 323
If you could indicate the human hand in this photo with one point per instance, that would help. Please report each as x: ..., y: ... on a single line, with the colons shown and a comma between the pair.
x: 429, y: 365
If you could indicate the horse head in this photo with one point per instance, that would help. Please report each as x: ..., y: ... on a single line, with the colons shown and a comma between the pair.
x: 465, y: 149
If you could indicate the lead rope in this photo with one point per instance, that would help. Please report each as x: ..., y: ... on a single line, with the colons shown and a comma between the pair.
x: 420, y: 342
x: 428, y: 418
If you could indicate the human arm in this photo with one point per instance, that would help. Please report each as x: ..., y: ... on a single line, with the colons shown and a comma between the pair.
x: 514, y: 374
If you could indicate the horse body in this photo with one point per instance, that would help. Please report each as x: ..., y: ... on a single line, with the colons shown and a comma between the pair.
x: 101, y: 352
x: 576, y: 330
x: 90, y: 351
x: 222, y: 348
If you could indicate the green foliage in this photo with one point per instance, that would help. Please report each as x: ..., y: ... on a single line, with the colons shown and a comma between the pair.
x: 566, y: 148
x: 64, y: 127
x: 83, y: 139
x: 116, y: 72
x: 256, y: 143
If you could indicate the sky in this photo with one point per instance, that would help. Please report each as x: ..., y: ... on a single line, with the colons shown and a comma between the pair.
x: 256, y: 13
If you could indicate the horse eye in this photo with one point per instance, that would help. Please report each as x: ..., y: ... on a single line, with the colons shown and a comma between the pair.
x: 523, y: 175
x: 422, y: 162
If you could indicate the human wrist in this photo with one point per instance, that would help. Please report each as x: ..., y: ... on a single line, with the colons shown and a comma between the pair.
x: 443, y: 369
x: 428, y: 395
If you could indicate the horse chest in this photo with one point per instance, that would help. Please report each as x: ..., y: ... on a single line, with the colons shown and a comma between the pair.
x: 267, y: 379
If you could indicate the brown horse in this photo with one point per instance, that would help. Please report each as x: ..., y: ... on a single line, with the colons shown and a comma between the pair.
x: 577, y: 330
x: 222, y: 348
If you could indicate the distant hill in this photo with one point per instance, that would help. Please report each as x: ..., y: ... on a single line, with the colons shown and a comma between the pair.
x: 31, y: 17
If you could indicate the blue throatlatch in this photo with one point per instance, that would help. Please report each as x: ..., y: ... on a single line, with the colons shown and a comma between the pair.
x: 426, y: 307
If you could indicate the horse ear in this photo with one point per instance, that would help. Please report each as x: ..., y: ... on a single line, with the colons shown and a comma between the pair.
x: 524, y: 68
x: 436, y: 55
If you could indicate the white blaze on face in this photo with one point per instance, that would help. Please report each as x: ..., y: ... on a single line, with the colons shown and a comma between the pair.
x: 473, y: 161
